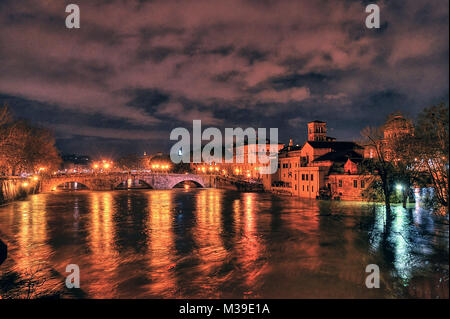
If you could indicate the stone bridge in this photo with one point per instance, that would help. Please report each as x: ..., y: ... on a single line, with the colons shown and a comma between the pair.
x: 114, y: 180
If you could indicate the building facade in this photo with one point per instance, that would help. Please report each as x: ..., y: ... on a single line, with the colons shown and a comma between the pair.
x: 321, y: 168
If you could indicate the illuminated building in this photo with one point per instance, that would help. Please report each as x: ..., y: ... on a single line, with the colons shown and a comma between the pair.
x: 320, y: 167
x: 245, y: 164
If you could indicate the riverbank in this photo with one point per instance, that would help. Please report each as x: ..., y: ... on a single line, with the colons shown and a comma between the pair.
x: 15, y: 188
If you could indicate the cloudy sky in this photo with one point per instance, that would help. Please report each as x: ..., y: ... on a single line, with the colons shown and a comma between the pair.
x: 137, y: 69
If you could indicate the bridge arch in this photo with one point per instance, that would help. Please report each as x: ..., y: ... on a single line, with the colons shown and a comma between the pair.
x: 187, y: 182
x: 124, y: 184
x: 196, y: 180
x: 74, y: 185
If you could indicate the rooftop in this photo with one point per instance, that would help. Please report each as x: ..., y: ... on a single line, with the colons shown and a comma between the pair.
x: 342, y: 156
x: 335, y: 146
x: 317, y: 121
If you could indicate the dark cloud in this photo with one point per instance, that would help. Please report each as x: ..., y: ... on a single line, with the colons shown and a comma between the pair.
x: 136, y: 69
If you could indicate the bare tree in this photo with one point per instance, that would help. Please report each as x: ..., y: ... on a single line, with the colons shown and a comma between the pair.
x: 379, y: 165
x: 431, y: 147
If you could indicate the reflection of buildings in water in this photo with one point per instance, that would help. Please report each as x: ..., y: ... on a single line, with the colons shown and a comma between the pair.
x: 340, y: 251
x: 211, y: 252
x: 32, y: 235
x: 161, y: 243
x: 76, y: 214
x: 33, y: 252
x: 302, y: 225
x: 103, y: 256
x: 249, y: 246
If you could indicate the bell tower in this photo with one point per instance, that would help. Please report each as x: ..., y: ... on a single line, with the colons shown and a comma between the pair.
x: 317, y: 131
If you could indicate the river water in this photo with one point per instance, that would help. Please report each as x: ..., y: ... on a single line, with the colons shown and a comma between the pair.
x: 213, y: 243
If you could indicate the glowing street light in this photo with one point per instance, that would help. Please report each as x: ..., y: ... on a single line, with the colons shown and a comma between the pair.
x: 25, y: 184
x: 35, y: 178
x: 399, y: 187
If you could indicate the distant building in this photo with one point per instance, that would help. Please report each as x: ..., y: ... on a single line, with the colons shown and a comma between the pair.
x: 242, y: 165
x: 395, y: 127
x: 75, y: 163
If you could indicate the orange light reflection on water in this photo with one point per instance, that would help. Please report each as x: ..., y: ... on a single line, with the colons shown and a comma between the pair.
x: 160, y: 243
x: 103, y: 257
x: 211, y: 253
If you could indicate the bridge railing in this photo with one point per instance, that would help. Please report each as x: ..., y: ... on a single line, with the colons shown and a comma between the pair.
x: 65, y: 175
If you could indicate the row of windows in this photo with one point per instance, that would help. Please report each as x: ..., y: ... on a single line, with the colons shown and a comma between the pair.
x: 307, y: 188
x: 320, y: 129
x: 287, y: 165
x: 305, y: 177
x: 355, y: 183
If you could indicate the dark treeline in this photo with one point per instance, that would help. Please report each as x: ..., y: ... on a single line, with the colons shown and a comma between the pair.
x: 25, y: 148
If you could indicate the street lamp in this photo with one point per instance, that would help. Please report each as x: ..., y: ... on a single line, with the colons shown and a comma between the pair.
x: 399, y: 187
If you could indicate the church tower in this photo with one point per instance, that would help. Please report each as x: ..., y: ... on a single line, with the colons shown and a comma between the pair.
x: 317, y: 131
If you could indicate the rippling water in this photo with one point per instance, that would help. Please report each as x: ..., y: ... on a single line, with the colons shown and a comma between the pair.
x: 212, y: 243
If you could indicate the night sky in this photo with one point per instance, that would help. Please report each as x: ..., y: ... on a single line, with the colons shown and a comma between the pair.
x: 137, y: 69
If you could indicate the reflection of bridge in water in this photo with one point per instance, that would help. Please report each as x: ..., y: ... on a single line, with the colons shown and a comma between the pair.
x: 118, y: 180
